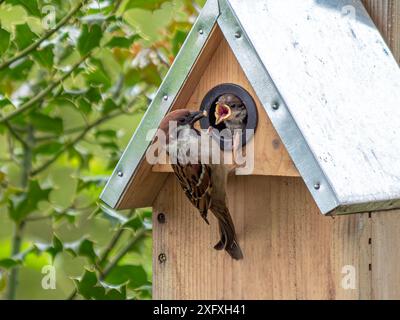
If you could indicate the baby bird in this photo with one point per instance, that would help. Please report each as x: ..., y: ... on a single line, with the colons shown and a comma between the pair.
x: 231, y: 111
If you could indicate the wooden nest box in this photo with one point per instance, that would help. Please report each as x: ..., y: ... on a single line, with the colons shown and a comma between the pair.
x: 326, y: 89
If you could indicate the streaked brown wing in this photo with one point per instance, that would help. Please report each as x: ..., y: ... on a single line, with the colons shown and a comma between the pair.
x: 195, y: 180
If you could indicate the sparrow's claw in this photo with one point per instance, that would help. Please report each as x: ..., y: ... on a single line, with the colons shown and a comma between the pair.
x: 219, y: 246
x: 204, y: 216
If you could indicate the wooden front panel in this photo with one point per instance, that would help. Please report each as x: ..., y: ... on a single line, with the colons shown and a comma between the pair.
x: 290, y: 250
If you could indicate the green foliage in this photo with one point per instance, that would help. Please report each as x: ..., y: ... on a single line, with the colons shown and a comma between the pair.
x: 90, y: 287
x: 89, y: 39
x: 26, y: 201
x: 70, y: 99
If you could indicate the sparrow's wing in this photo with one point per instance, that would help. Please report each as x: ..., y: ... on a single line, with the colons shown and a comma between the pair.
x: 195, y: 180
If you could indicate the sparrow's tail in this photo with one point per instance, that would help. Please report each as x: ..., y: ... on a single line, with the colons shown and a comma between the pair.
x: 227, y: 231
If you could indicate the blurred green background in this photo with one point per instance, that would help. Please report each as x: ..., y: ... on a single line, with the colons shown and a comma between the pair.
x: 75, y: 80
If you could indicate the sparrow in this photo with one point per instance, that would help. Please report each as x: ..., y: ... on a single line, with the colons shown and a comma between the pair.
x: 204, y: 184
x: 231, y: 111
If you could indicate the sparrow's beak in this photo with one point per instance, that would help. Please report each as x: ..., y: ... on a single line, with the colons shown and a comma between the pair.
x: 196, y: 116
x: 222, y: 113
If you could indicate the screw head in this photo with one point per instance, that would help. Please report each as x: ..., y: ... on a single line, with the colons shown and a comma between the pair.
x: 120, y: 174
x: 162, y: 258
x: 238, y: 34
x: 201, y: 31
x: 165, y: 98
x: 317, y: 186
x: 161, y: 218
x: 275, y: 106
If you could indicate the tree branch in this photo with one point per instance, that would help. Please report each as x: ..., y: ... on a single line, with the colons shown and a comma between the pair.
x: 16, y: 135
x: 73, y: 142
x: 137, y: 237
x: 16, y: 247
x: 47, y: 35
x: 114, y: 240
x: 19, y: 227
x: 42, y: 94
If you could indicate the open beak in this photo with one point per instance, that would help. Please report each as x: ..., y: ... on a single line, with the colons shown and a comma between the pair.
x: 222, y: 112
x: 196, y: 116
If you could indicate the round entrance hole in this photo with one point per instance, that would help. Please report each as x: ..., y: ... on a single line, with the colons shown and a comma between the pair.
x: 209, y: 104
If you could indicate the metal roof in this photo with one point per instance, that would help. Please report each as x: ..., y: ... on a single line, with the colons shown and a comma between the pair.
x: 337, y: 85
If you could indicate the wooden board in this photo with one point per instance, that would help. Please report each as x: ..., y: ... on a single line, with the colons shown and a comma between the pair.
x: 386, y: 225
x: 290, y: 250
x: 271, y: 157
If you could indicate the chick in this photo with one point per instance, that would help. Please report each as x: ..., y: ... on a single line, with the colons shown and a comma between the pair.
x: 231, y: 111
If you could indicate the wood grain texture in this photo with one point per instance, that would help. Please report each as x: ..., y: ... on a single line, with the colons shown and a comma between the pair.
x: 386, y: 225
x: 291, y: 251
x: 145, y: 184
x: 271, y: 157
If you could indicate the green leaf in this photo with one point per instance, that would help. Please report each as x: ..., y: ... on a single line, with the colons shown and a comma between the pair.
x: 135, y: 275
x: 107, y: 134
x: 122, y: 42
x: 45, y: 123
x: 112, y: 215
x: 56, y: 248
x: 91, y: 288
x: 87, y: 286
x: 89, y: 39
x: 151, y: 75
x: 178, y: 40
x: 83, y: 248
x: 86, y: 183
x: 112, y: 146
x: 4, y: 41
x: 48, y: 148
x: 24, y: 36
x: 151, y: 25
x: 45, y: 56
x: 24, y: 203
x: 9, y: 263
x: 97, y: 75
x: 18, y: 70
x: 108, y: 106
x: 145, y: 4
x: 84, y: 105
x: 5, y: 102
x: 93, y: 95
x: 134, y: 223
x: 31, y: 6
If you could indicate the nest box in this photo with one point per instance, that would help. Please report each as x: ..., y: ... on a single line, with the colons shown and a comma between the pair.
x: 322, y: 89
